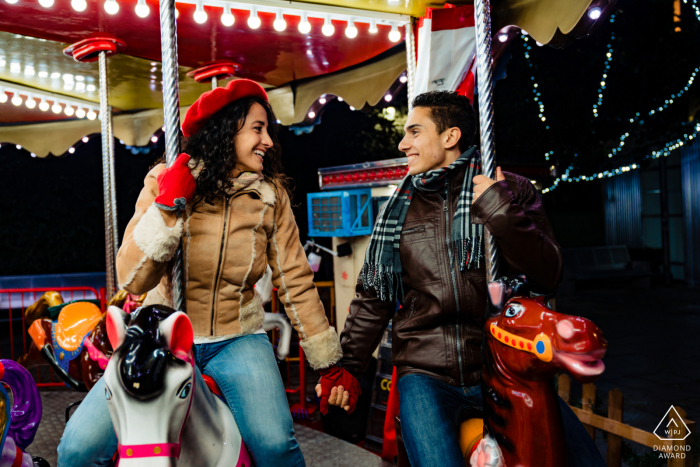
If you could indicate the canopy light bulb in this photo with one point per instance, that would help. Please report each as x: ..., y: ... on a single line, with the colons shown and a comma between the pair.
x: 327, y: 28
x: 388, y: 97
x: 16, y: 100
x: 200, y: 16
x: 30, y: 102
x: 280, y: 24
x: 403, y: 79
x: 111, y: 7
x: 80, y: 113
x: 253, y: 20
x: 78, y: 5
x: 43, y: 105
x: 227, y: 18
x: 141, y: 9
x: 351, y: 30
x: 502, y: 37
x: 322, y: 100
x: 69, y: 110
x: 594, y: 13
x: 373, y: 26
x: 394, y: 35
x: 91, y: 115
x: 304, y: 26
x: 56, y: 108
x: 46, y: 3
x: 85, y: 139
x: 312, y: 114
x: 12, y: 2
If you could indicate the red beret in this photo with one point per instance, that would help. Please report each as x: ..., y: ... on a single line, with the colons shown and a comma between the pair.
x: 212, y: 101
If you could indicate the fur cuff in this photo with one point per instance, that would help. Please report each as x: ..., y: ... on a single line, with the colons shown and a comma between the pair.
x: 322, y: 350
x: 251, y: 316
x: 154, y: 238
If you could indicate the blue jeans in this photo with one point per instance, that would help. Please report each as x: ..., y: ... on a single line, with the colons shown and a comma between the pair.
x: 246, y: 372
x: 430, y: 414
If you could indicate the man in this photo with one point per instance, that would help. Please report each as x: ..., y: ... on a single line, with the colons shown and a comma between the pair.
x: 426, y: 252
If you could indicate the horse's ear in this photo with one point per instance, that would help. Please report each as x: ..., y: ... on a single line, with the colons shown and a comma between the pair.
x: 497, y: 294
x: 178, y: 333
x: 116, y: 329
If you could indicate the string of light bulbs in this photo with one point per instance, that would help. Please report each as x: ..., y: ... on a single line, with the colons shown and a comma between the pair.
x: 669, y: 101
x: 695, y: 6
x: 668, y: 148
x: 535, y: 86
x: 302, y: 10
x: 608, y: 59
x: 64, y: 105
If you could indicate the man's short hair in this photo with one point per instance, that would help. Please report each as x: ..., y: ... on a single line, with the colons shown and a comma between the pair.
x: 447, y: 110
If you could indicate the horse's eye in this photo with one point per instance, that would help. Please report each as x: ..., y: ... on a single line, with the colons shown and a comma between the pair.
x: 185, y: 391
x: 513, y: 310
x: 108, y: 393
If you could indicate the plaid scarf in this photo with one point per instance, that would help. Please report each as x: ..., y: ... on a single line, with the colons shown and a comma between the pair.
x: 382, y: 268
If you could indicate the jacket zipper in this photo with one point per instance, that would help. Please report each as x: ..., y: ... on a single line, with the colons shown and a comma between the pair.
x: 218, y: 268
x: 448, y: 230
x: 410, y: 313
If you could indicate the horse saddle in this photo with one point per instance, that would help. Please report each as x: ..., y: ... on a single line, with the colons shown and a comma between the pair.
x: 74, y: 323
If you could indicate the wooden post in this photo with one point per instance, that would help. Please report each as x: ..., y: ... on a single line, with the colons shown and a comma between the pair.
x: 683, y: 445
x: 565, y: 387
x: 587, y: 402
x: 615, y: 402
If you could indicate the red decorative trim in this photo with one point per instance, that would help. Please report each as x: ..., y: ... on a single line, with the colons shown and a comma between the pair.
x: 88, y: 50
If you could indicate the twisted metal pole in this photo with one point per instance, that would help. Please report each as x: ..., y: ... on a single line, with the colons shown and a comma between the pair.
x: 108, y: 185
x: 484, y: 64
x: 214, y: 82
x: 410, y: 63
x: 171, y: 116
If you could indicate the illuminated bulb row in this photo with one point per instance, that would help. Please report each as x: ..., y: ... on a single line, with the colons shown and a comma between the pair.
x: 670, y: 101
x: 695, y: 7
x: 535, y: 86
x: 665, y: 152
x: 30, y: 102
x: 227, y: 19
x: 608, y: 59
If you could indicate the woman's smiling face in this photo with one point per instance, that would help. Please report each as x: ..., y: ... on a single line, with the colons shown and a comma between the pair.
x: 252, y: 141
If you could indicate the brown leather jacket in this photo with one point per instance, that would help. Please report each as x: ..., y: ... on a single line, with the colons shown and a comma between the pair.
x: 431, y: 335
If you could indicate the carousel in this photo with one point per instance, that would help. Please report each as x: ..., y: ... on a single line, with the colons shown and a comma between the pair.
x: 129, y: 69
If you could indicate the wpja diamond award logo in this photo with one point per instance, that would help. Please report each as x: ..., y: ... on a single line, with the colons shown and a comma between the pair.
x: 672, y: 428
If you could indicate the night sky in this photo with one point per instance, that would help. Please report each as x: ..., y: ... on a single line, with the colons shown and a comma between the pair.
x: 51, y: 219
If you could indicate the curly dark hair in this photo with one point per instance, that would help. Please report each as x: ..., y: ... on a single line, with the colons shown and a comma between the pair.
x: 447, y: 110
x: 213, y: 145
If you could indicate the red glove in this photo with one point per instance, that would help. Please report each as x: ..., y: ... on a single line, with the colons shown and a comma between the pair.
x: 337, y: 376
x: 176, y: 185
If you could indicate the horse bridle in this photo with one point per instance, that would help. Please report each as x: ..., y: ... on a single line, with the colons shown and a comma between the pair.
x: 541, y: 346
x: 137, y: 451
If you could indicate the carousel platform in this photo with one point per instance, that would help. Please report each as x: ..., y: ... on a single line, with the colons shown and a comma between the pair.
x: 320, y: 449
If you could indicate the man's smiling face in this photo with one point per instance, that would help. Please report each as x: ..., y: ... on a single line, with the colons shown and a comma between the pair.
x: 422, y: 144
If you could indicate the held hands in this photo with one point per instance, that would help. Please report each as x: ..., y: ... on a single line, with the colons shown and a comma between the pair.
x: 338, y: 387
x: 482, y: 182
x: 175, y: 185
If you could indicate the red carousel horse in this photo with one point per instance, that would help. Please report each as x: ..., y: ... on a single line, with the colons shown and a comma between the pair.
x: 527, y: 345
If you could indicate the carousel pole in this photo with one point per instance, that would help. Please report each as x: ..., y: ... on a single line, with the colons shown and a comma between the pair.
x: 171, y: 115
x: 484, y: 63
x: 108, y: 180
x: 214, y: 82
x: 410, y: 63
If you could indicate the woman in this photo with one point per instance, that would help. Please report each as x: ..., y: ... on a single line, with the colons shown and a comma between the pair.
x: 226, y: 200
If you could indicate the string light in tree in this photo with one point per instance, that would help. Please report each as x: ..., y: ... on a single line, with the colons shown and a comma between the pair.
x: 665, y: 152
x: 535, y: 86
x: 695, y: 6
x: 669, y: 101
x: 608, y: 59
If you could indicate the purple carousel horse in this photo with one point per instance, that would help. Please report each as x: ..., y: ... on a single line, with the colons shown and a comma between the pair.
x: 18, y: 424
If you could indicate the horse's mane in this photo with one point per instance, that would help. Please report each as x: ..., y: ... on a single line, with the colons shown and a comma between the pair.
x: 144, y: 356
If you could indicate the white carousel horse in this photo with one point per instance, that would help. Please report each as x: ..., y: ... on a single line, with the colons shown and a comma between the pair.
x: 161, y: 414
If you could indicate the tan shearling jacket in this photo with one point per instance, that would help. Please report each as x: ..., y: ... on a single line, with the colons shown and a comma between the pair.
x: 227, y: 247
